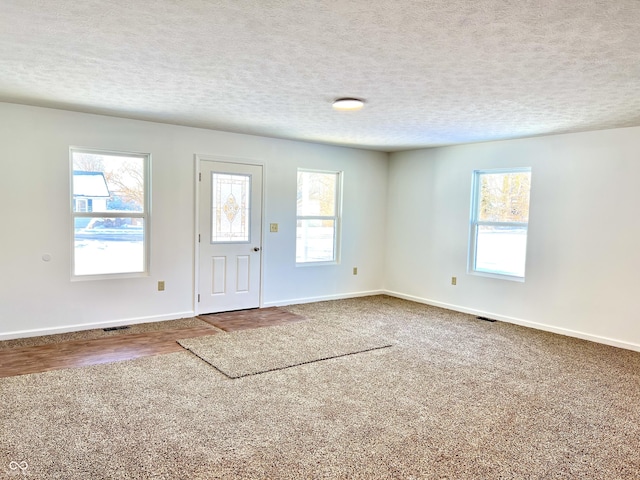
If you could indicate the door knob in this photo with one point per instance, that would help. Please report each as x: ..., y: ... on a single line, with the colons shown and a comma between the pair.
x: 256, y: 249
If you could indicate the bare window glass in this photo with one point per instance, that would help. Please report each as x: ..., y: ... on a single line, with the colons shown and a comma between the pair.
x: 110, y: 212
x: 317, y: 216
x: 499, y: 222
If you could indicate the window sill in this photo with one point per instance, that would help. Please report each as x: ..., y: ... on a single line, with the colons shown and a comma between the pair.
x: 498, y: 276
x: 315, y: 264
x: 108, y: 276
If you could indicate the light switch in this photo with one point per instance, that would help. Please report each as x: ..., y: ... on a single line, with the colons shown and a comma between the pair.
x: 273, y: 228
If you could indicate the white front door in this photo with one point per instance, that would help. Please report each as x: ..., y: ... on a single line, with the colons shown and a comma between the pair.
x: 230, y: 236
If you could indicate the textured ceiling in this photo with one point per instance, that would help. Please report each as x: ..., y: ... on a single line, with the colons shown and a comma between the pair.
x: 432, y: 72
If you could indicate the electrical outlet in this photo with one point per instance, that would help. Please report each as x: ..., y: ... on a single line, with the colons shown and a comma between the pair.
x: 454, y: 280
x: 161, y: 286
x: 273, y: 227
x: 355, y: 270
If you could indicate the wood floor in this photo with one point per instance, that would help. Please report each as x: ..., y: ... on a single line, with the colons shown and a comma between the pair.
x: 245, y: 319
x: 77, y: 353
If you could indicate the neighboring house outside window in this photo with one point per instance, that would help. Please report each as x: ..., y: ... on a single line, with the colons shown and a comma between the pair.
x: 499, y: 222
x: 87, y: 188
x: 318, y: 217
x: 110, y: 213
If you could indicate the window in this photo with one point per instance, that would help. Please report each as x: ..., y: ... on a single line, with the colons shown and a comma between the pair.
x: 318, y: 218
x: 499, y: 222
x: 81, y: 204
x: 110, y: 213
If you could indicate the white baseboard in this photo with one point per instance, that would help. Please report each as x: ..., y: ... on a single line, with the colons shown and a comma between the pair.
x: 280, y: 303
x: 323, y: 298
x: 519, y: 321
x: 90, y: 326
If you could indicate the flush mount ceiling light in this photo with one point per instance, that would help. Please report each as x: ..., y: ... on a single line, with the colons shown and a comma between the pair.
x: 348, y: 104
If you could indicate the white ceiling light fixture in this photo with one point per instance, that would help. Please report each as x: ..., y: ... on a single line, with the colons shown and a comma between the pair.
x: 348, y: 104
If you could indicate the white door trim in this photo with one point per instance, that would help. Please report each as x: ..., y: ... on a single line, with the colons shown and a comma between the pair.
x: 196, y: 215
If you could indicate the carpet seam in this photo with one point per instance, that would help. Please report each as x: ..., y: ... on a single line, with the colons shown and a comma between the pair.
x: 204, y: 360
x: 288, y: 366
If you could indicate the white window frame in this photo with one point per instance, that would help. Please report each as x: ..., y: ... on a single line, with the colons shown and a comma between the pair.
x: 144, y: 215
x: 337, y: 218
x: 475, y: 223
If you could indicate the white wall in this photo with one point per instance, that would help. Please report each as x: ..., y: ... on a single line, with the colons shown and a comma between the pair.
x: 38, y: 297
x: 583, y: 259
x: 583, y: 262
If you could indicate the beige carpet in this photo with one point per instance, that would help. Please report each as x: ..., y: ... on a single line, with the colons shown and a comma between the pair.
x: 454, y: 398
x: 261, y: 350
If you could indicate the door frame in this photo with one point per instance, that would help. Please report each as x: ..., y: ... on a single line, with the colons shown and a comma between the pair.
x: 196, y: 244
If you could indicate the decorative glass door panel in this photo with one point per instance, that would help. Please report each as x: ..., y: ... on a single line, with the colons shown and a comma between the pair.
x: 230, y: 208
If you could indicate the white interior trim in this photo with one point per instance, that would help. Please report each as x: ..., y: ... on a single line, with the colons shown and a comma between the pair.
x: 519, y: 321
x: 296, y: 301
x: 91, y: 326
